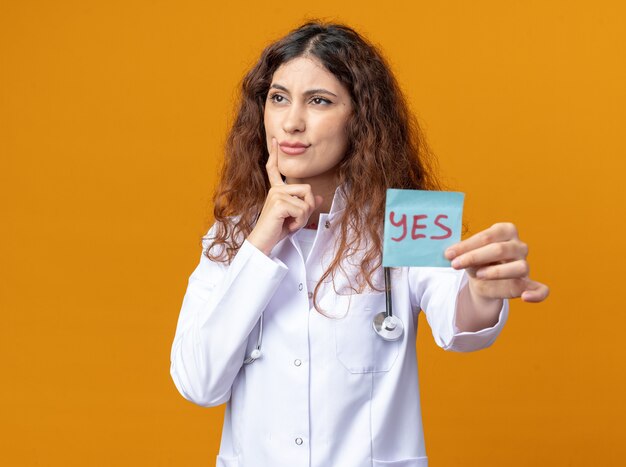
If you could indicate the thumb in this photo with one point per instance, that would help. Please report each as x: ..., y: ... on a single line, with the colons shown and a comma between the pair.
x: 318, y: 201
x: 535, y: 292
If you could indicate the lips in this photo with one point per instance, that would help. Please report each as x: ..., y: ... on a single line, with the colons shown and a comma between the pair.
x: 293, y: 149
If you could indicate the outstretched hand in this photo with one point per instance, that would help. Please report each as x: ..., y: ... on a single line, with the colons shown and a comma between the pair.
x: 287, y: 207
x: 495, y: 260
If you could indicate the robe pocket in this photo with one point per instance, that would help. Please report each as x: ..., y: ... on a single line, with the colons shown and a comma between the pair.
x: 412, y: 462
x: 359, y: 348
x: 227, y: 461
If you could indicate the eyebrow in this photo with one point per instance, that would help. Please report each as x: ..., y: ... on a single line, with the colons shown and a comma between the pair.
x: 307, y: 93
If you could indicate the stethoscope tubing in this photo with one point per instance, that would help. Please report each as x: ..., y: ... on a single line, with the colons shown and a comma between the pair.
x: 388, y: 301
x: 387, y: 326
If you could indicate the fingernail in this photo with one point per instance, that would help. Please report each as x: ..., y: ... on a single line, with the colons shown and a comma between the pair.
x: 481, y: 274
x: 456, y: 263
x: 449, y: 253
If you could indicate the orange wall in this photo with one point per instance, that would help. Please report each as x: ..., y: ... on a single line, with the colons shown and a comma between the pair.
x: 112, y: 116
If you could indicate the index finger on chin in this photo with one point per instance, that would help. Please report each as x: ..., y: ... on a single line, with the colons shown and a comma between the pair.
x: 273, y: 174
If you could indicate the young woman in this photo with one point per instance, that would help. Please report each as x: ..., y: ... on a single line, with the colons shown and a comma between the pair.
x: 277, y: 317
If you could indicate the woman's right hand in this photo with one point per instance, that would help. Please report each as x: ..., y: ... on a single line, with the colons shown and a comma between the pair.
x: 287, y: 208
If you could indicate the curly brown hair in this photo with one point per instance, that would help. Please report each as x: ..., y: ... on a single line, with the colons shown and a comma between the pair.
x: 386, y: 148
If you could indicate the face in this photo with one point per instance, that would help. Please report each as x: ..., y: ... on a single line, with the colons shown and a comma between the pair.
x: 307, y: 110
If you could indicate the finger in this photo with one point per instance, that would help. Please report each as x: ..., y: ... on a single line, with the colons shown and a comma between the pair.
x: 273, y: 174
x: 504, y: 288
x: 302, y: 191
x: 513, y: 270
x: 535, y: 292
x: 500, y: 232
x: 294, y: 208
x: 491, y: 253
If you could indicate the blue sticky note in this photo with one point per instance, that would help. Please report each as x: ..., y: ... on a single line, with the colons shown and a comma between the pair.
x: 420, y: 225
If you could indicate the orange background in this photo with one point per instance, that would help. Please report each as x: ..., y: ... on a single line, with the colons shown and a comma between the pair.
x: 112, y: 119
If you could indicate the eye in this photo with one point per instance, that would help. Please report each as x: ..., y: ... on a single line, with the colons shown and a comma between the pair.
x: 277, y: 98
x: 320, y: 100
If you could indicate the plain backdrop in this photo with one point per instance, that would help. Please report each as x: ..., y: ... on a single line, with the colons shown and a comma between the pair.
x: 113, y: 115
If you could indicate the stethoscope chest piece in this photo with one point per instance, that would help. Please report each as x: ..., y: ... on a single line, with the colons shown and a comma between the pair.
x: 386, y: 325
x: 389, y: 328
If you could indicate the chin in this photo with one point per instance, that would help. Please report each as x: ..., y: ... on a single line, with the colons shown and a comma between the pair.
x: 289, y: 171
x: 296, y: 174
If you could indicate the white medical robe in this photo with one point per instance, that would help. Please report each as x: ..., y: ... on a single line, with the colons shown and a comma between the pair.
x: 325, y: 392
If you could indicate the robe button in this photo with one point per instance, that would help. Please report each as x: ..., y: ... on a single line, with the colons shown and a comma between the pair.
x: 297, y: 362
x: 298, y: 441
x: 310, y: 294
x: 300, y: 286
x: 327, y: 224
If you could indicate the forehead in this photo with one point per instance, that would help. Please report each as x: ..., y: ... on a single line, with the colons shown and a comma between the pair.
x: 304, y: 72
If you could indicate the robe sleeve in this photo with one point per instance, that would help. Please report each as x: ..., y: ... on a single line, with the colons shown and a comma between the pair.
x: 435, y: 291
x: 221, y: 306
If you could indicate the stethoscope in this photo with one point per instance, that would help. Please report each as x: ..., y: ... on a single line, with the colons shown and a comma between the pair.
x: 385, y: 324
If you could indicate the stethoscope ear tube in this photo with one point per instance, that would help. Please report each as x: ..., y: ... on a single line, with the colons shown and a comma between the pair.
x: 256, y: 353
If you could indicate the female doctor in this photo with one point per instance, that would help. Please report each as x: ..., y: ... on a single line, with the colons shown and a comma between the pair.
x: 277, y: 317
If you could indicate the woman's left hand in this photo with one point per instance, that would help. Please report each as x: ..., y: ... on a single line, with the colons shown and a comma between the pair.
x: 495, y: 260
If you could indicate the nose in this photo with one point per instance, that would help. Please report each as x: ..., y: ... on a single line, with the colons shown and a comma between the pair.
x: 294, y: 119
